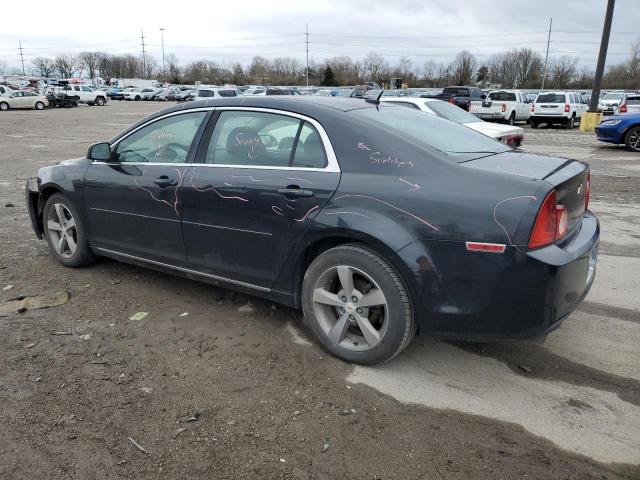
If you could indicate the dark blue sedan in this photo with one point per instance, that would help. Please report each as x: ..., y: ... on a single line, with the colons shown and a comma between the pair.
x: 375, y: 220
x: 621, y: 129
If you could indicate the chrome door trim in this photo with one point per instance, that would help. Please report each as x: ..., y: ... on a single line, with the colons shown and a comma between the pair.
x: 185, y: 270
x: 332, y: 160
x: 132, y: 214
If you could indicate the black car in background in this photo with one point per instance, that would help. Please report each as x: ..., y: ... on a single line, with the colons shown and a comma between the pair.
x: 376, y: 220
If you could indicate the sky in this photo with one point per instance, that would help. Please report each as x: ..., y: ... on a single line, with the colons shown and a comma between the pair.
x: 422, y: 30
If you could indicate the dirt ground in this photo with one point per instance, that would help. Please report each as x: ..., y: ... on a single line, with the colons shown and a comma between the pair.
x: 213, y: 384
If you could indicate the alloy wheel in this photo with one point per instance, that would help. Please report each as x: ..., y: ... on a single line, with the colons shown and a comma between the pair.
x: 634, y: 139
x: 350, y: 308
x: 62, y: 230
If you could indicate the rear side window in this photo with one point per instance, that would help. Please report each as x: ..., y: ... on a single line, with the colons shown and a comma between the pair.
x: 264, y: 140
x: 165, y: 141
x: 551, y: 98
x: 633, y: 100
x: 503, y: 96
x: 206, y: 93
x: 227, y: 93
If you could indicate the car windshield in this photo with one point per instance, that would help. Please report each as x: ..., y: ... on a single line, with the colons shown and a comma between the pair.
x: 613, y: 96
x: 456, y: 141
x: 551, y: 98
x: 502, y: 96
x: 451, y: 112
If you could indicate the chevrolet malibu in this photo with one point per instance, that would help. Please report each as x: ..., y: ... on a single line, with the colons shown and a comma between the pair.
x: 376, y: 220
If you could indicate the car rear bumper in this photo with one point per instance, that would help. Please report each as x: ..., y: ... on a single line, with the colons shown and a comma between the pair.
x: 549, y: 118
x: 489, y: 115
x: 473, y: 296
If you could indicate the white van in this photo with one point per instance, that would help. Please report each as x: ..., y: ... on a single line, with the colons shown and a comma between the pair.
x: 213, y: 92
x: 564, y: 108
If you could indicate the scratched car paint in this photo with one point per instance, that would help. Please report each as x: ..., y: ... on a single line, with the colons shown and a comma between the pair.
x: 377, y: 221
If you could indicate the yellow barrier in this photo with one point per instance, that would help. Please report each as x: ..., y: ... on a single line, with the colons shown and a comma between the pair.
x: 590, y: 121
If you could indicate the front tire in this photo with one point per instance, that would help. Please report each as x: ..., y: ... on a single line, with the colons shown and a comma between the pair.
x: 357, y: 306
x: 65, y: 232
x: 4, y: 106
x: 39, y: 106
x: 534, y: 124
x: 632, y: 139
x: 137, y: 98
x: 99, y: 101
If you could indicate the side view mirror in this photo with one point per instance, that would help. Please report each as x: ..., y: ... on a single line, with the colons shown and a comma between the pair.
x: 100, y: 152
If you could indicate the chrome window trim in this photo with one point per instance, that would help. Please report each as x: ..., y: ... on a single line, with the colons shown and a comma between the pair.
x: 332, y: 160
x: 185, y: 270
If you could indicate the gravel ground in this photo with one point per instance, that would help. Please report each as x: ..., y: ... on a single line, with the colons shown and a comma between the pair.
x: 213, y: 384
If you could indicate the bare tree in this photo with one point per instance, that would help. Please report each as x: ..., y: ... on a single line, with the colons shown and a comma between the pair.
x: 528, y: 67
x: 43, y: 66
x: 374, y: 67
x: 90, y: 61
x: 562, y: 71
x: 464, y: 67
x: 65, y: 65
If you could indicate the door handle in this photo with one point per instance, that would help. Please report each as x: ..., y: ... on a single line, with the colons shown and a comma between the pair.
x: 295, y: 192
x: 165, y: 182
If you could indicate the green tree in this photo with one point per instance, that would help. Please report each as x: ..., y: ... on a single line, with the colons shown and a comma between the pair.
x: 482, y: 75
x: 328, y: 78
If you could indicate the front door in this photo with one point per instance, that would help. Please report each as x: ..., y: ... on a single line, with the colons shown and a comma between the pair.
x: 133, y: 202
x: 263, y: 178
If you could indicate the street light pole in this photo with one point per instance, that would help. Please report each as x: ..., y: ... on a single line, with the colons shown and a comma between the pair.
x: 602, y: 57
x: 164, y: 76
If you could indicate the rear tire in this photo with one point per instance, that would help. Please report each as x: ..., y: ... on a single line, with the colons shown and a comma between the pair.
x: 357, y: 306
x: 137, y: 99
x: 534, y: 124
x: 65, y: 232
x: 632, y: 139
x: 570, y: 123
x: 512, y: 118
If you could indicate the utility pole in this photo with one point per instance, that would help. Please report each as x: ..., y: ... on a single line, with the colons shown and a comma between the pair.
x: 307, y: 42
x: 164, y: 77
x: 546, y: 57
x: 602, y: 57
x: 21, y: 55
x: 144, y: 54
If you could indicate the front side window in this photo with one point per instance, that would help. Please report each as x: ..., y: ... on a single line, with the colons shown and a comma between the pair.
x: 264, y: 139
x: 164, y: 141
x: 86, y: 89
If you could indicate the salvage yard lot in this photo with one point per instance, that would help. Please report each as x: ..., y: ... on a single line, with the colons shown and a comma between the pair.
x: 236, y: 389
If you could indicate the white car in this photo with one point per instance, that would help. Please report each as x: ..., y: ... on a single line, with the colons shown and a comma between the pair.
x: 20, y: 99
x: 214, y: 92
x: 504, y: 105
x: 610, y: 102
x: 507, y: 134
x: 631, y: 103
x: 563, y: 108
x: 137, y: 95
x: 5, y: 91
x: 255, y: 91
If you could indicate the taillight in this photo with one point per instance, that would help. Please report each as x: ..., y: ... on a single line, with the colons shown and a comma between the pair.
x: 533, y: 107
x: 504, y: 107
x: 587, y: 192
x: 552, y: 223
x: 623, y: 108
x: 567, y: 108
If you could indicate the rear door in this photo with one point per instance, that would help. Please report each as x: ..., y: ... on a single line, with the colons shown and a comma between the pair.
x: 551, y: 104
x: 134, y: 201
x: 263, y: 176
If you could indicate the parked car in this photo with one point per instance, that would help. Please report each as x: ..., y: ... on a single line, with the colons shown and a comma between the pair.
x: 564, y: 108
x: 185, y: 95
x: 115, y: 93
x: 5, y: 91
x: 212, y: 92
x: 281, y: 91
x: 460, y: 234
x: 137, y: 94
x: 255, y: 91
x: 22, y: 99
x: 610, y: 102
x: 621, y: 129
x: 464, y: 97
x: 504, y: 105
x: 509, y: 135
x: 631, y: 103
x: 151, y: 95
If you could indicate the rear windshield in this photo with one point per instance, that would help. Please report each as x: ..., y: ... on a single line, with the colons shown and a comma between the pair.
x: 456, y: 141
x: 503, y: 96
x: 551, y: 98
x: 458, y: 92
